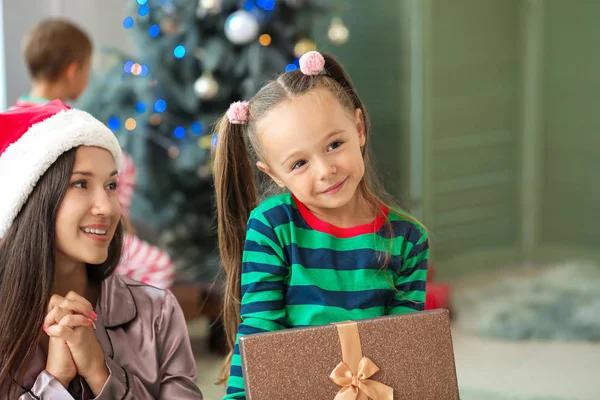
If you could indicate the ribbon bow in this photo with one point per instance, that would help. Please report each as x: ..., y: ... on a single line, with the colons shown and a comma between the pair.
x: 359, y: 386
x: 354, y: 371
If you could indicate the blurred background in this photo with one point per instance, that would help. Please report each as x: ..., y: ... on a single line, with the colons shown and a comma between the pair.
x: 484, y: 127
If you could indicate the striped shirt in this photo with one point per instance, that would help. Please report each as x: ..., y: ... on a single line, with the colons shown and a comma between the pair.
x: 299, y: 271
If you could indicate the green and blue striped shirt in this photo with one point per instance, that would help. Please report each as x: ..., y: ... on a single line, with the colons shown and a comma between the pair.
x: 299, y: 271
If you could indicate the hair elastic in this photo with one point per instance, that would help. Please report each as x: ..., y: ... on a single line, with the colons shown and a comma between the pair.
x: 238, y: 112
x: 312, y: 63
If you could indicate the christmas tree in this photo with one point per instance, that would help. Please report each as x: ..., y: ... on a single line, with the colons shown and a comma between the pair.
x: 195, y: 58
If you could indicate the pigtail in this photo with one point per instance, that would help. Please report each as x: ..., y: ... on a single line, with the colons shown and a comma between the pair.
x: 236, y: 196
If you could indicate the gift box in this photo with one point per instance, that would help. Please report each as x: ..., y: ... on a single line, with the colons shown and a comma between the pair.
x: 407, y: 356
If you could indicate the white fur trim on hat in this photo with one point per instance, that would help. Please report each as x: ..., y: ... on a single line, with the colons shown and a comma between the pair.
x: 24, y: 162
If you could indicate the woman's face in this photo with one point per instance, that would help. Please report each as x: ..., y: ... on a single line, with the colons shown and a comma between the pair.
x: 90, y: 211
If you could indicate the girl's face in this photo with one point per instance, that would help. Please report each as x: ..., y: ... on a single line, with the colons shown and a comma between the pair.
x: 312, y: 145
x: 90, y: 211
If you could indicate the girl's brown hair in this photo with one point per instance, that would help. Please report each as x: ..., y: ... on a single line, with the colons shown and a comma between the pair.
x: 27, y: 256
x: 235, y: 184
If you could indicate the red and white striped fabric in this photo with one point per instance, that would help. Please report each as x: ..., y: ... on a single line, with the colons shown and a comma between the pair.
x: 140, y: 260
x: 146, y: 263
x: 127, y: 175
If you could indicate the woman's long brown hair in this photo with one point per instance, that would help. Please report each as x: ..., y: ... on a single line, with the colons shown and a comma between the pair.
x: 236, y: 189
x: 27, y: 256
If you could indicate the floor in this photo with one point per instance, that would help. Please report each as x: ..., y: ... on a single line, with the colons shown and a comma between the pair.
x: 486, y: 369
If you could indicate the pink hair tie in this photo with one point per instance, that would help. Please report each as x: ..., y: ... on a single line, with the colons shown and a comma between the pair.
x: 312, y: 63
x: 238, y: 112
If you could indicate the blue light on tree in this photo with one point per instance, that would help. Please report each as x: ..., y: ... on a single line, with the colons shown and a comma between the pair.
x: 127, y: 66
x: 114, y: 123
x: 154, y: 30
x: 128, y: 22
x: 179, y: 132
x: 266, y: 4
x: 142, y: 2
x: 179, y: 51
x: 140, y: 107
x: 196, y: 128
x: 160, y: 106
x: 290, y: 68
x: 143, y: 11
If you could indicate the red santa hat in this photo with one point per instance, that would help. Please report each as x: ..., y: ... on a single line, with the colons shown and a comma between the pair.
x: 32, y: 138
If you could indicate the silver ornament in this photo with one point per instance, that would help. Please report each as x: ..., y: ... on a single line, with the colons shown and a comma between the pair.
x: 206, y: 7
x: 206, y: 87
x: 338, y: 32
x: 241, y: 27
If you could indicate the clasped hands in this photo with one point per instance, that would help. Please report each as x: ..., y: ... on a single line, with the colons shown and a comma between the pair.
x: 72, y: 346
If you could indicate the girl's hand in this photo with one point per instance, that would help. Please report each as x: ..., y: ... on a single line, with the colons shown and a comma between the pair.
x: 85, y: 350
x: 72, y: 303
x: 59, y: 362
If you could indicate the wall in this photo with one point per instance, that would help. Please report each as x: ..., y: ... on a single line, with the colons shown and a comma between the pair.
x: 510, y: 128
x: 569, y: 199
x: 377, y: 59
x: 471, y: 129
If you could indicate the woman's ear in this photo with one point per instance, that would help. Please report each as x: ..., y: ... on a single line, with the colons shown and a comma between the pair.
x: 265, y: 169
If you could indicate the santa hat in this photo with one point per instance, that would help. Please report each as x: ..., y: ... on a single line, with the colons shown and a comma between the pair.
x: 32, y: 138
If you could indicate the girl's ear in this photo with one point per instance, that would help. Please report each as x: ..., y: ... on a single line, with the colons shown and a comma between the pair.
x: 265, y: 169
x: 360, y: 126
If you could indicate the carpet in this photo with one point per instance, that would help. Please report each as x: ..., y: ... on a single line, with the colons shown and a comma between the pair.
x: 560, y: 303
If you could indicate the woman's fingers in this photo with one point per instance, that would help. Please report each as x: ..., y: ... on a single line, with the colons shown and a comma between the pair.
x: 80, y: 299
x: 75, y: 320
x: 54, y: 316
x: 73, y: 302
x: 65, y: 329
x: 63, y: 332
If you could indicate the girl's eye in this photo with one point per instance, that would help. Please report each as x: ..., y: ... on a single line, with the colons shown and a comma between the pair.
x: 334, y: 145
x: 112, y: 186
x: 299, y: 164
x: 80, y: 184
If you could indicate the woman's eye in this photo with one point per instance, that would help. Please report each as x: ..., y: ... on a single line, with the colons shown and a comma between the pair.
x: 80, y: 184
x: 299, y: 164
x: 112, y: 186
x: 334, y: 145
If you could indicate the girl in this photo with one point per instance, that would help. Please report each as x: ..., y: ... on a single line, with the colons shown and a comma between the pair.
x: 330, y: 249
x: 68, y: 328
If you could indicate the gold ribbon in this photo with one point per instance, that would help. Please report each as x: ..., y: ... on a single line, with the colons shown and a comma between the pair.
x: 353, y: 373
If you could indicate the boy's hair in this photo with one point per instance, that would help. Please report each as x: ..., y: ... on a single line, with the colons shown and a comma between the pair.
x: 52, y: 45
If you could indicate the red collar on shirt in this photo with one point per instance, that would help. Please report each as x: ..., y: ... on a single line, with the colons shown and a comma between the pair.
x: 325, y: 227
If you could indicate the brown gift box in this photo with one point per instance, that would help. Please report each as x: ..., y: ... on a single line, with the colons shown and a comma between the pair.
x: 413, y: 352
